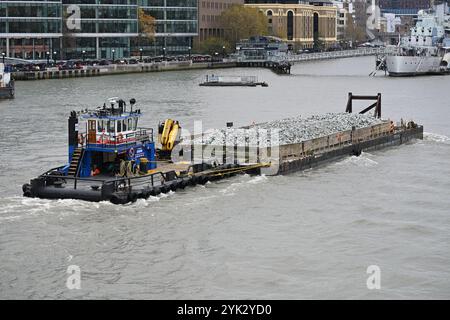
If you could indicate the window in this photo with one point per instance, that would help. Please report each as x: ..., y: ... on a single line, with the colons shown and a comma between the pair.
x: 130, y: 124
x: 119, y: 126
x: 100, y: 126
x: 124, y: 125
x: 110, y: 124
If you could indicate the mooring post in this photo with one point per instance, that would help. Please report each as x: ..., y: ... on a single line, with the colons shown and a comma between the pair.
x: 379, y: 105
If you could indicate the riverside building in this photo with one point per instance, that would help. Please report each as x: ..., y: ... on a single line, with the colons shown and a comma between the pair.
x: 64, y: 29
x: 303, y: 24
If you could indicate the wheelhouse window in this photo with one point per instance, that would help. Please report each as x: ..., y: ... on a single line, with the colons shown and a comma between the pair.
x: 119, y: 126
x: 110, y: 125
x: 100, y: 126
x: 124, y: 125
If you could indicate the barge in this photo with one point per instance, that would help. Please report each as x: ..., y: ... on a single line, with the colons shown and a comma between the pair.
x: 232, y: 81
x: 115, y: 160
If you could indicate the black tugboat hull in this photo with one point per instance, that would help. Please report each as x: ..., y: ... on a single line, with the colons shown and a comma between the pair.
x: 7, y: 93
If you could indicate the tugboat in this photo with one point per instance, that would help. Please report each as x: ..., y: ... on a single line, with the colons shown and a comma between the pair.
x: 111, y: 159
x: 6, y: 82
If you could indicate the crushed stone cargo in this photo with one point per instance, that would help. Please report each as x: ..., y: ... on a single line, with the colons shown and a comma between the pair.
x: 289, y: 130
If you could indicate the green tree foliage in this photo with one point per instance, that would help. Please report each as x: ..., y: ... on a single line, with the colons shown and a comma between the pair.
x: 241, y: 22
x: 213, y: 45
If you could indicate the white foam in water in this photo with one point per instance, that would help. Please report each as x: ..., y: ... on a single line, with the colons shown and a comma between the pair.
x: 435, y: 137
x: 233, y: 187
x: 257, y: 179
x: 362, y: 161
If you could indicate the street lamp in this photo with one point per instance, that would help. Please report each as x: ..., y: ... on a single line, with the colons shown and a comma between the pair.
x: 164, y: 53
x: 54, y: 56
x: 3, y: 57
x: 223, y: 51
x: 84, y: 53
x: 48, y: 57
x: 140, y: 54
x: 113, y: 54
x: 190, y: 53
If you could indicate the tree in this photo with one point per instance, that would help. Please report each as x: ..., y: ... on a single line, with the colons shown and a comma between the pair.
x: 354, y: 33
x: 241, y: 22
x: 213, y: 45
x: 147, y: 25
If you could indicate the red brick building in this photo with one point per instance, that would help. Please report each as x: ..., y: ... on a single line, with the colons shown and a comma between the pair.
x: 209, y: 12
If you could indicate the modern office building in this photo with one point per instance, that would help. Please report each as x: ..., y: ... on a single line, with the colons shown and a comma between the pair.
x: 28, y: 29
x: 176, y: 26
x: 94, y: 28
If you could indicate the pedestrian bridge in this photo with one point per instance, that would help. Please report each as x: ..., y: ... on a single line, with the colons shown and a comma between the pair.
x: 293, y: 58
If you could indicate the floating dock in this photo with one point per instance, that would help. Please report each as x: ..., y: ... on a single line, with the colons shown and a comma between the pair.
x: 232, y: 81
x: 201, y: 161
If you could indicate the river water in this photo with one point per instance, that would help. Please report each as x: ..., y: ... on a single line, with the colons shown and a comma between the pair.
x: 306, y: 235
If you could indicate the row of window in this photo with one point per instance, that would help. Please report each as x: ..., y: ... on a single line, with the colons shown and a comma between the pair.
x: 216, y: 5
x: 108, y: 12
x: 210, y: 18
x: 30, y: 10
x: 108, y: 126
x: 119, y: 2
x: 172, y: 14
x: 30, y: 26
x: 117, y: 26
x: 169, y: 3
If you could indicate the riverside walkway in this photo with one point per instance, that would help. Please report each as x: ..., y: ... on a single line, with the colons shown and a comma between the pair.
x: 280, y: 63
x: 93, y: 71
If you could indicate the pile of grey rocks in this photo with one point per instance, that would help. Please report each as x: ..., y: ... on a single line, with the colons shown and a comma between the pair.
x: 288, y: 131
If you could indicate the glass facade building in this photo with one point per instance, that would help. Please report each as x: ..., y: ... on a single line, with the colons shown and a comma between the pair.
x: 29, y: 29
x: 68, y: 29
x: 176, y: 25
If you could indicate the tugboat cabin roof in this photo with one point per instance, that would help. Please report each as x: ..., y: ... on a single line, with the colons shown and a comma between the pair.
x: 113, y: 109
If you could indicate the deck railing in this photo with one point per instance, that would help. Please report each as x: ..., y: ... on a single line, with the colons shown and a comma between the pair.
x: 116, y: 183
x: 118, y: 141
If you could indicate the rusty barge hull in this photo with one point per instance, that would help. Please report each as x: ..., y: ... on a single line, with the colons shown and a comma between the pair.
x: 294, y: 164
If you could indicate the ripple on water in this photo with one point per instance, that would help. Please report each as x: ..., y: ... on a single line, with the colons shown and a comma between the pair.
x: 435, y: 137
x: 364, y: 160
